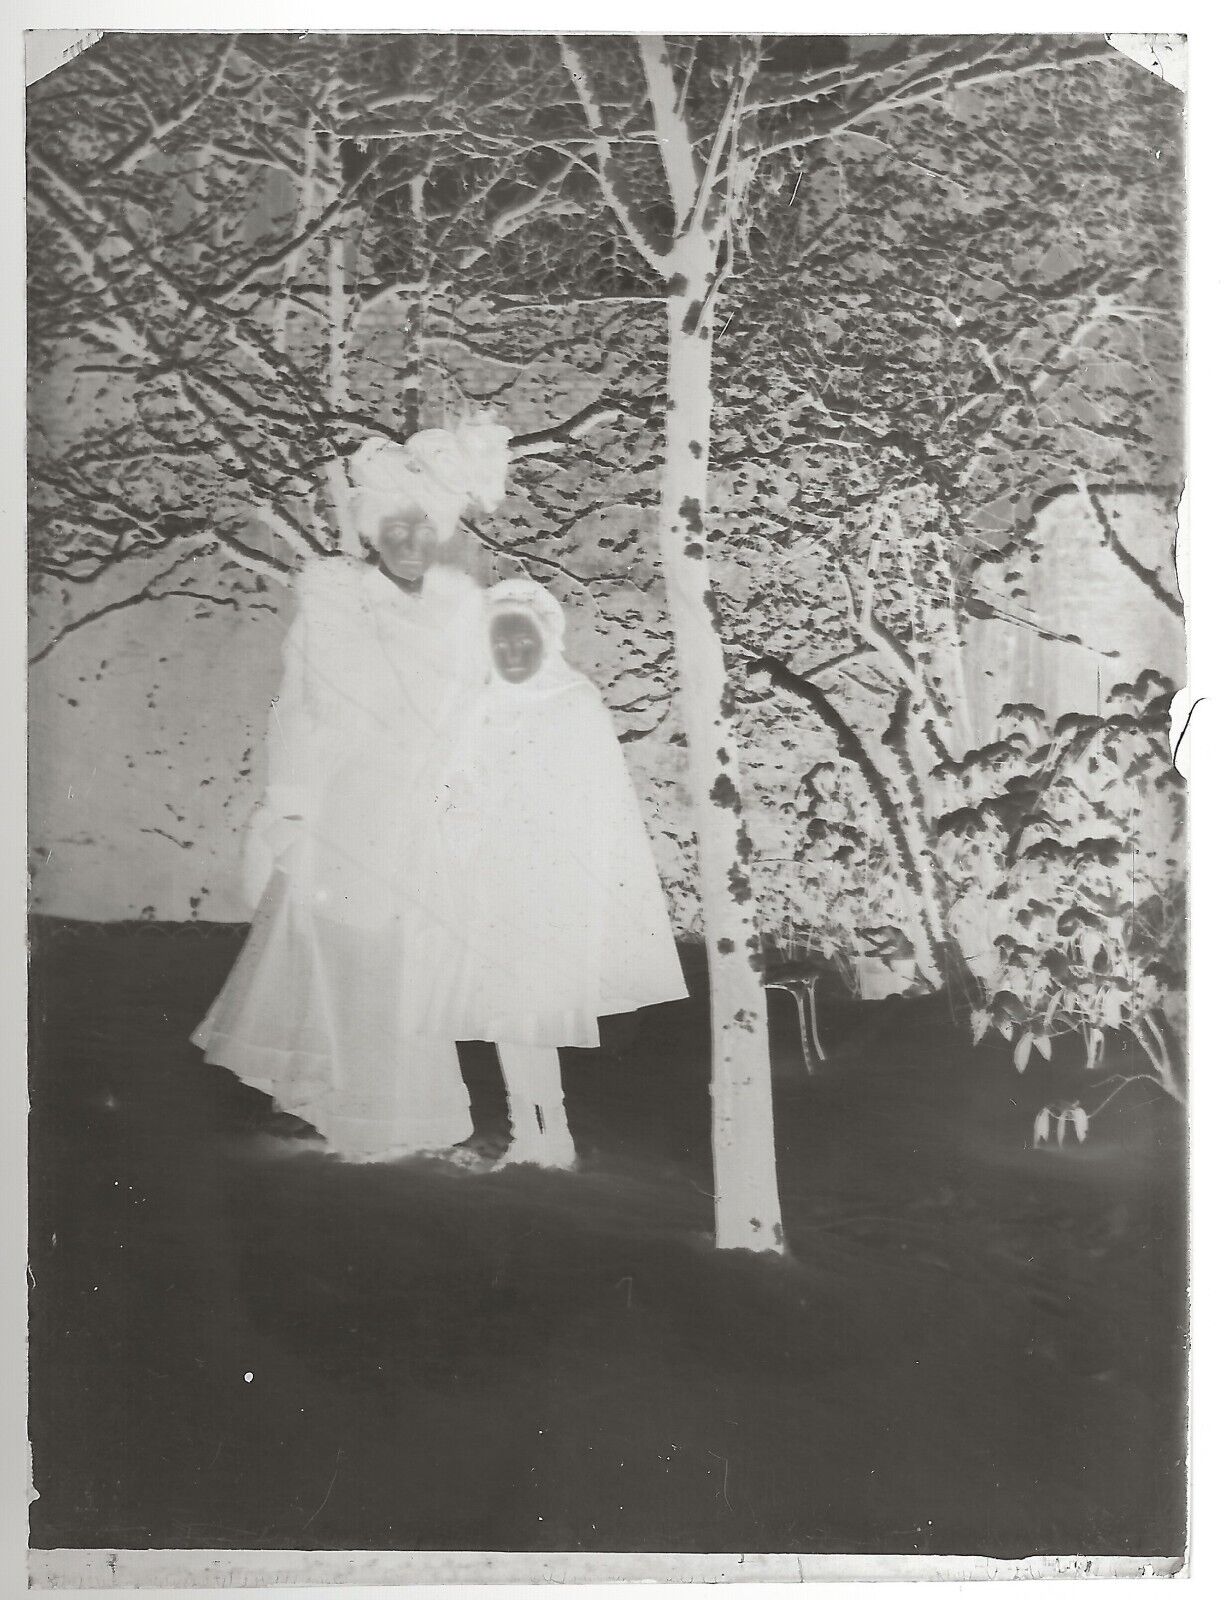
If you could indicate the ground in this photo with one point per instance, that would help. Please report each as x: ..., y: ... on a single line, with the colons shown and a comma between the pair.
x: 971, y: 1347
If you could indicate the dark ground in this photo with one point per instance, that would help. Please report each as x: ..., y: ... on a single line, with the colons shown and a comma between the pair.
x: 973, y: 1347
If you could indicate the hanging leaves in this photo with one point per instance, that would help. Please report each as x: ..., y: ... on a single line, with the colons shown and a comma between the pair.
x: 1058, y: 966
x: 1020, y: 1055
x: 1007, y: 1005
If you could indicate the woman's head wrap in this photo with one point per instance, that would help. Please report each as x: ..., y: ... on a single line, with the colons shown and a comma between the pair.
x: 440, y: 472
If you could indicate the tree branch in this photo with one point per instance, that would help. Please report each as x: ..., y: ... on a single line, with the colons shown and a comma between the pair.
x: 851, y: 747
x: 543, y: 440
x: 1146, y: 575
x: 140, y: 596
x: 604, y: 162
x: 927, y: 85
x: 671, y: 129
x: 126, y: 159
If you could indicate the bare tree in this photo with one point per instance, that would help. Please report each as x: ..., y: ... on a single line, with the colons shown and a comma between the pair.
x: 680, y: 137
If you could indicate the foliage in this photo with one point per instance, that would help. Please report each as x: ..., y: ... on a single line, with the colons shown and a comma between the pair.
x: 1076, y: 840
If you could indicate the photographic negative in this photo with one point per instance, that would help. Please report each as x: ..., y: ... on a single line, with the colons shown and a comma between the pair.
x: 608, y: 876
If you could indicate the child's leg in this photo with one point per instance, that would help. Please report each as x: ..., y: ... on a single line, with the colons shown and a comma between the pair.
x: 539, y: 1129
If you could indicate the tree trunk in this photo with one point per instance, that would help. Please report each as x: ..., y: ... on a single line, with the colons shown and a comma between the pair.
x: 338, y: 397
x: 304, y: 212
x: 913, y: 817
x: 747, y: 1213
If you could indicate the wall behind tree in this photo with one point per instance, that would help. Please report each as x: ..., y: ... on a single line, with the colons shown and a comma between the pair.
x: 146, y: 736
x: 1105, y: 620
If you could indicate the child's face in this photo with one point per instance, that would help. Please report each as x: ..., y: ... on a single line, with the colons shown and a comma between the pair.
x: 516, y: 646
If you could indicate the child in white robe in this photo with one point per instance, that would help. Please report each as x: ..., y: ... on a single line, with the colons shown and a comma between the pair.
x: 559, y: 914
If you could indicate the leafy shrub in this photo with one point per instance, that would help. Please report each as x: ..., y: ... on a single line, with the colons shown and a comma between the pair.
x: 1071, y: 856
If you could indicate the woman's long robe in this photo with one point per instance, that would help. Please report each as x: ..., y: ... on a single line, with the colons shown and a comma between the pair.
x: 320, y: 1009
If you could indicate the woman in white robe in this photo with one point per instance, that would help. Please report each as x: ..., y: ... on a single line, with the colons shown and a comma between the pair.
x: 561, y: 915
x: 380, y: 665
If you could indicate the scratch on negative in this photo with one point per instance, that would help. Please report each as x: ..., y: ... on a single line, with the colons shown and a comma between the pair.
x: 276, y: 714
x: 327, y: 1496
x: 726, y: 1461
x: 1186, y: 728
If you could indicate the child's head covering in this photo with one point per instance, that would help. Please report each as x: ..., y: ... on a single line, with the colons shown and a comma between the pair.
x: 523, y: 597
x: 440, y: 472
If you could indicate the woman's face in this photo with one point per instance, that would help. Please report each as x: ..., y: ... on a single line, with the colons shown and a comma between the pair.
x: 407, y: 544
x: 516, y: 645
